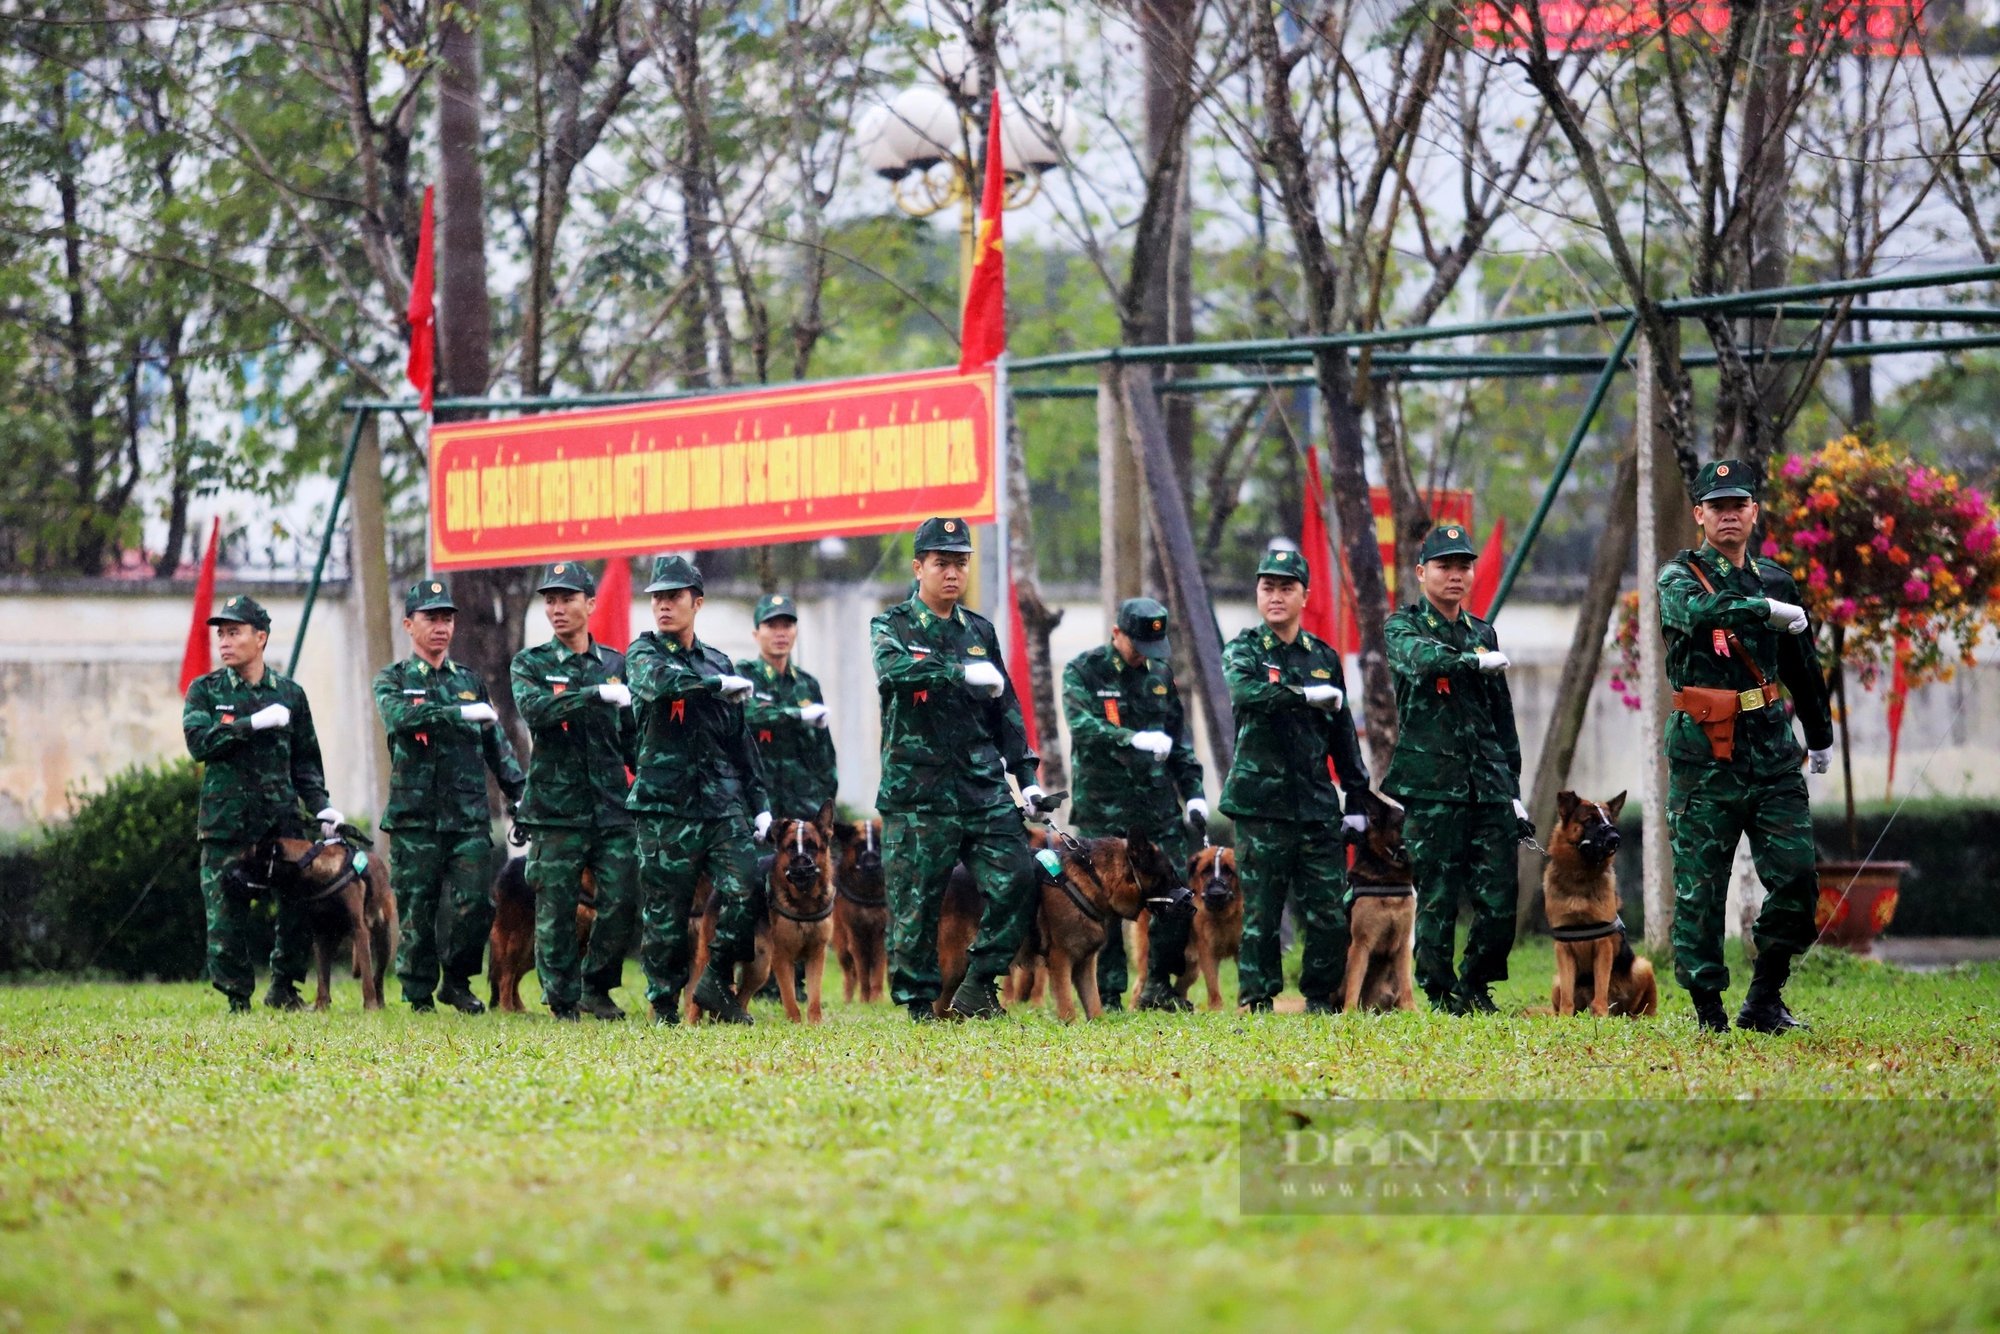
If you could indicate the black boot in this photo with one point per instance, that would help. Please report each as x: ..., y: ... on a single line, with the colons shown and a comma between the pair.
x: 922, y: 1011
x: 666, y: 1013
x: 563, y: 1014
x: 714, y: 997
x: 599, y: 1006
x: 284, y: 996
x: 977, y: 998
x: 1476, y: 998
x: 1448, y: 1002
x: 1708, y: 1011
x: 1320, y: 1005
x: 459, y: 997
x: 239, y: 1005
x: 1764, y: 1008
x: 1157, y: 996
x: 422, y: 1005
x: 1257, y: 1005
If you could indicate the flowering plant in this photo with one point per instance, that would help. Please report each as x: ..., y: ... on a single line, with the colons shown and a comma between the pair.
x: 1885, y: 548
x: 1625, y: 640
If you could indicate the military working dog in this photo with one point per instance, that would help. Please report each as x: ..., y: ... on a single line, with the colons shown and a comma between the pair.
x: 1382, y: 916
x: 1217, y: 933
x: 511, y: 942
x: 861, y: 912
x: 1595, y: 966
x: 1100, y: 883
x: 344, y: 890
x: 794, y: 915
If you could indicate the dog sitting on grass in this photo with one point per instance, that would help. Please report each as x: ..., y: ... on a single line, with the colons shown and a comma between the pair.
x: 794, y: 912
x: 1595, y: 966
x: 1217, y: 932
x: 1382, y: 918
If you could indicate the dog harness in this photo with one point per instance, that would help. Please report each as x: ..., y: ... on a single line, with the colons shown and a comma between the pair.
x: 1383, y: 891
x: 1588, y: 931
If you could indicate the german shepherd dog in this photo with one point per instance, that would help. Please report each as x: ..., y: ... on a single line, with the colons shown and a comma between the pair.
x: 794, y: 909
x: 1103, y: 883
x: 345, y: 892
x: 1382, y: 922
x: 1595, y: 966
x: 861, y: 912
x: 511, y: 942
x: 1217, y: 933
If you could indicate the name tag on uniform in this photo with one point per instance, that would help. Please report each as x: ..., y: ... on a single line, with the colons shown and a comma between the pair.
x: 415, y: 694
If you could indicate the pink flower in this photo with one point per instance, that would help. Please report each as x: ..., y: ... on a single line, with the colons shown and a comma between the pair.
x: 1771, y: 548
x: 1916, y: 588
x: 1795, y: 467
x: 1980, y: 540
x: 1817, y: 580
x: 1923, y: 484
x: 1844, y: 609
x: 1934, y: 564
x: 1881, y: 543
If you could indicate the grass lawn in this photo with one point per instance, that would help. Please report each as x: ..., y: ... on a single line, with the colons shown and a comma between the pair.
x: 162, y: 1163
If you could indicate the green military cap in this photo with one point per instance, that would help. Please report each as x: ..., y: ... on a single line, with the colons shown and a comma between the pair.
x: 775, y: 604
x: 427, y: 595
x: 242, y: 610
x: 1144, y: 621
x: 943, y: 535
x: 1725, y: 477
x: 566, y: 576
x: 1450, y: 539
x: 1285, y: 565
x: 672, y: 572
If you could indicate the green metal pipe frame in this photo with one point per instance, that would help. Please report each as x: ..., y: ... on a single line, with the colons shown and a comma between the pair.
x: 326, y: 542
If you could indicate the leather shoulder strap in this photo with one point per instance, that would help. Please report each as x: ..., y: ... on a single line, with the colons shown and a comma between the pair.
x: 1736, y: 648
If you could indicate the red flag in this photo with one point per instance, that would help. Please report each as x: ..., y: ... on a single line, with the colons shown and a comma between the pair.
x: 1017, y: 665
x: 1318, y: 551
x: 611, y: 623
x: 1486, y: 574
x: 422, y: 368
x: 983, y: 334
x: 195, y: 661
x: 1899, y: 691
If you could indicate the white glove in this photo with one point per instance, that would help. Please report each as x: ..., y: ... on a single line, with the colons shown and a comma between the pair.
x: 271, y: 715
x: 478, y: 713
x: 1197, y: 809
x: 1157, y: 744
x: 1822, y: 760
x: 617, y: 696
x: 762, y: 825
x: 985, y: 676
x: 1786, y: 616
x: 1325, y: 697
x: 813, y: 715
x: 329, y: 822
x: 1031, y: 796
x: 734, y: 688
x: 1354, y: 824
x: 1493, y: 662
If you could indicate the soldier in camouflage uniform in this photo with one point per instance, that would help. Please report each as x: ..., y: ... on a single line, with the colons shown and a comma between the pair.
x: 1748, y: 614
x: 951, y: 733
x: 1291, y: 718
x: 787, y: 716
x: 571, y: 693
x: 699, y: 796
x: 443, y: 738
x: 1133, y: 766
x: 1457, y: 771
x: 252, y: 731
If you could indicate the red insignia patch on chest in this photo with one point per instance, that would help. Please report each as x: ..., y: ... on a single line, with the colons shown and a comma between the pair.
x: 557, y: 687
x: 1721, y: 642
x: 228, y: 716
x: 423, y: 738
x: 764, y: 737
x: 679, y: 712
x: 921, y: 697
x: 1111, y: 712
x: 1273, y: 671
x: 1444, y: 685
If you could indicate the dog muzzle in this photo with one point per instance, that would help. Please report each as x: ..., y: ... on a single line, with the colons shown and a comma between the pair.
x: 1600, y: 844
x: 1177, y: 903
x: 802, y: 871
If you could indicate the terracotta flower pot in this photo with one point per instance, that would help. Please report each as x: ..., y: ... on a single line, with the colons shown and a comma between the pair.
x: 1856, y: 901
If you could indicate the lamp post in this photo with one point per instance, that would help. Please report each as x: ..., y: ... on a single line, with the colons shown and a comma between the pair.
x: 922, y: 141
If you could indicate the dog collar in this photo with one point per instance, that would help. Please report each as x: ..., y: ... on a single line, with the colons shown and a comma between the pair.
x: 1384, y: 891
x: 1588, y: 931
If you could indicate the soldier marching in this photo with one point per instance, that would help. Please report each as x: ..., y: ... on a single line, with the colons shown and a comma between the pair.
x: 658, y: 770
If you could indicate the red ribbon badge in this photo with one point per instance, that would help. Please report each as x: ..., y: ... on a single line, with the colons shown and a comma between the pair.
x: 1444, y: 685
x: 1721, y: 642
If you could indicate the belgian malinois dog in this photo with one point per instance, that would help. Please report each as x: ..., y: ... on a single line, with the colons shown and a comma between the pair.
x: 794, y: 910
x: 1382, y: 922
x: 1217, y: 933
x: 1101, y: 884
x: 1595, y: 966
x: 861, y: 912
x: 511, y: 942
x: 345, y: 892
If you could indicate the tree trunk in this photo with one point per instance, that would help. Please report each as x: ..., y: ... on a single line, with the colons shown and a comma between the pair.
x: 1167, y: 39
x: 490, y: 602
x: 1038, y: 619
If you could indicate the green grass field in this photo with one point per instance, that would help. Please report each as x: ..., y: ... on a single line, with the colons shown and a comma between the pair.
x: 162, y: 1163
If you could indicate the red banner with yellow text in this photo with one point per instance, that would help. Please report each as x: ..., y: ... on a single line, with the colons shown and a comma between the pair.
x: 775, y: 465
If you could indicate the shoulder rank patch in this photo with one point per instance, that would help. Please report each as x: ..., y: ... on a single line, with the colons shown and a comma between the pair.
x: 467, y: 694
x: 1159, y: 690
x: 977, y: 650
x: 1322, y: 673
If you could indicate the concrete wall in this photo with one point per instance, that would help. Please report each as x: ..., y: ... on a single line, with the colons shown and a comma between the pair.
x: 88, y: 675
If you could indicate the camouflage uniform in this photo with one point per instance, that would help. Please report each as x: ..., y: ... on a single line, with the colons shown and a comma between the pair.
x: 1711, y: 804
x: 700, y: 783
x: 797, y: 755
x: 946, y: 752
x: 1457, y: 771
x: 1286, y: 808
x: 252, y: 785
x: 1115, y: 788
x: 574, y: 807
x: 439, y: 823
